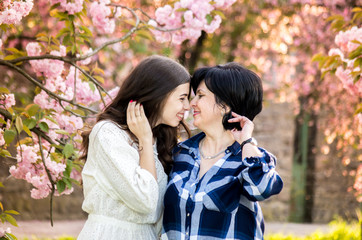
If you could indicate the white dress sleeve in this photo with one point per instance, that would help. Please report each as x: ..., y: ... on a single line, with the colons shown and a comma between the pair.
x: 118, y: 170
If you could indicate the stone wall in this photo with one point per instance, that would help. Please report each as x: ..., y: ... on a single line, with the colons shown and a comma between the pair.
x: 333, y: 195
x: 274, y: 130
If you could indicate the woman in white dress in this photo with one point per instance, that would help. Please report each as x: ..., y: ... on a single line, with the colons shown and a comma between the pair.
x: 128, y: 153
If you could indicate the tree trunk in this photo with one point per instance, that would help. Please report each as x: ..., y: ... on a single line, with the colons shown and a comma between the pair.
x: 301, y: 205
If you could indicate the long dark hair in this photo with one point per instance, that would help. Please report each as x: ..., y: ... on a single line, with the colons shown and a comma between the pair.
x: 150, y: 83
x: 233, y: 85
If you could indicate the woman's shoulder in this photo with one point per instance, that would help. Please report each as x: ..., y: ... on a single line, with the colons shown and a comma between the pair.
x: 110, y: 128
x: 190, y: 143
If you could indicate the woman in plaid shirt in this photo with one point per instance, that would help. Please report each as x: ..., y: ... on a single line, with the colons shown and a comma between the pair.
x: 220, y: 174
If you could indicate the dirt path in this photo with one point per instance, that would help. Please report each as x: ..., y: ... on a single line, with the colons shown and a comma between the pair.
x: 72, y: 228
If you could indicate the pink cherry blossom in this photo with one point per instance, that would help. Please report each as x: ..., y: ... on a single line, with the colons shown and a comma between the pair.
x: 71, y: 7
x: 3, y: 231
x: 50, y: 68
x: 84, y: 93
x: 336, y: 51
x: 14, y: 11
x: 107, y: 99
x: 2, y: 140
x: 7, y: 100
x: 344, y: 39
x: 30, y: 167
x: 69, y: 123
x: 198, y: 16
x: 99, y: 13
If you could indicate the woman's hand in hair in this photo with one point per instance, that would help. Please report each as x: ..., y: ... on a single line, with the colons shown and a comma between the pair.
x: 246, y: 125
x: 138, y: 123
x: 245, y: 133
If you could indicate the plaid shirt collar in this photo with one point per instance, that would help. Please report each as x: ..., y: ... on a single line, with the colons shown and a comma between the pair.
x: 192, y: 144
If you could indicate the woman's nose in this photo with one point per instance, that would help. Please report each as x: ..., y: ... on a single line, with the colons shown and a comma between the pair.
x: 187, y: 105
x: 193, y: 102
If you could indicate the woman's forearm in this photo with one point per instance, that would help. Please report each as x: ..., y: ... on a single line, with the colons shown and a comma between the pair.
x: 147, y: 160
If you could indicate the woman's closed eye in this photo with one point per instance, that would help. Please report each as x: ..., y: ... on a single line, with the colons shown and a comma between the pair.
x: 199, y: 95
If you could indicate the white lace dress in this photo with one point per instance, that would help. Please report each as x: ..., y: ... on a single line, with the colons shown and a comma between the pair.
x: 123, y: 200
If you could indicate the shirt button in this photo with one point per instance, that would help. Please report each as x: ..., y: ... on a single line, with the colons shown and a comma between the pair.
x: 190, y: 196
x: 188, y: 214
x: 187, y: 233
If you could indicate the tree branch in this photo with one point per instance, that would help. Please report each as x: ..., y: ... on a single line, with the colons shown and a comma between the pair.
x: 35, y: 82
x: 36, y: 130
x: 50, y: 179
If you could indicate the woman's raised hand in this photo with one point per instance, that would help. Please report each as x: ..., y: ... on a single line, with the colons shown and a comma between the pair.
x: 247, y: 128
x: 138, y: 123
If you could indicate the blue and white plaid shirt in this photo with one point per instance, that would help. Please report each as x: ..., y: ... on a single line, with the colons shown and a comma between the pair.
x: 223, y: 203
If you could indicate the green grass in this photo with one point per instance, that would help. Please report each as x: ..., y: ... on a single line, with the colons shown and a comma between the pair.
x: 339, y: 231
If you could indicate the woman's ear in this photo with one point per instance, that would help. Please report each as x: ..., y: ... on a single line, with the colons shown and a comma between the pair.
x: 227, y: 125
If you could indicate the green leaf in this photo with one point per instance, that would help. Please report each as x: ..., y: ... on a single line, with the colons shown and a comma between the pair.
x: 19, y: 124
x: 355, y: 53
x: 68, y: 150
x: 97, y: 70
x: 69, y: 183
x: 4, y: 90
x: 182, y: 9
x: 4, y: 153
x: 10, y: 236
x: 130, y: 21
x: 1, y: 205
x: 61, y: 186
x: 30, y: 123
x: 92, y: 86
x: 61, y: 131
x: 318, y: 57
x: 209, y: 18
x: 9, y: 136
x: 44, y: 126
x: 62, y: 32
x: 12, y: 212
x: 87, y: 31
x: 32, y: 109
x: 221, y: 14
x: 99, y: 79
x: 14, y: 50
x: 334, y: 17
x: 51, y: 119
x: 79, y: 111
x: 2, y: 121
x: 27, y: 130
x: 1, y: 185
x: 74, y: 48
x: 10, y: 57
x: 42, y: 39
x: 11, y: 220
x: 145, y: 34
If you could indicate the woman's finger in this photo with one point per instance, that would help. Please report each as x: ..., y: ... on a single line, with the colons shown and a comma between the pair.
x: 137, y: 111
x: 142, y: 111
x: 130, y: 111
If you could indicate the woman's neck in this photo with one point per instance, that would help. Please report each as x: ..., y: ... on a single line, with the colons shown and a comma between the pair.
x: 215, y: 141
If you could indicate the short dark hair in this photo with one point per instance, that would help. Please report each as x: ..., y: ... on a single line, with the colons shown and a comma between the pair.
x: 234, y: 86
